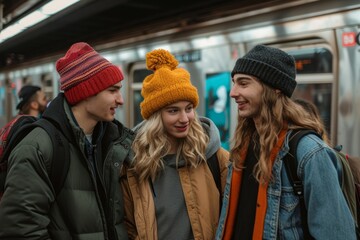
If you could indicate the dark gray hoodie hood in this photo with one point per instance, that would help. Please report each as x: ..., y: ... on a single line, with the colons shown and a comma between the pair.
x: 214, y: 136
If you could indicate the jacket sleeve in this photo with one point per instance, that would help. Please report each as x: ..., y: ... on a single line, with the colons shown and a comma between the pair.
x: 27, y: 197
x: 329, y: 216
x: 129, y: 206
x: 223, y: 158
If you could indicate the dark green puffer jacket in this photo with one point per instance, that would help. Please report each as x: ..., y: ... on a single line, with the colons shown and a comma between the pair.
x: 88, y: 207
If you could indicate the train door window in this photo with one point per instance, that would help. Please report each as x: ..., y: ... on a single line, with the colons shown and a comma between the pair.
x: 314, y: 66
x: 137, y: 76
x: 47, y: 84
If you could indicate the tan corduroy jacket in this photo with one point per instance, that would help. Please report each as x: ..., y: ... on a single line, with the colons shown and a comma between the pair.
x: 201, y: 196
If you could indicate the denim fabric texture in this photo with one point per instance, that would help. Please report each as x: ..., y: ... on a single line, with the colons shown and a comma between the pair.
x: 329, y: 216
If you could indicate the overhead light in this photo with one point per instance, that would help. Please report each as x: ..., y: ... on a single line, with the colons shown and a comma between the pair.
x: 57, y: 5
x: 32, y: 19
x: 35, y: 17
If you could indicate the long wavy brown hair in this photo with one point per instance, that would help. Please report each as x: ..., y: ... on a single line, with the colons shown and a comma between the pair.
x: 151, y: 144
x: 276, y: 111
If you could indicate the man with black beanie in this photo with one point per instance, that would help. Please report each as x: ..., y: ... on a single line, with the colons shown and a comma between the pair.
x: 259, y: 201
x: 32, y: 101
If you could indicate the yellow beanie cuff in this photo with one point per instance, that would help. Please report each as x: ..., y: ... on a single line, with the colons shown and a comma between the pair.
x: 167, y: 96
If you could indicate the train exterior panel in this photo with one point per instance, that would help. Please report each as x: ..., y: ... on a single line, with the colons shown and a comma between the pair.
x: 323, y: 37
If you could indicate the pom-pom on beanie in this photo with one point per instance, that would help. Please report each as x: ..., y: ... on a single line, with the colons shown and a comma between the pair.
x: 167, y: 85
x: 84, y: 73
x: 272, y: 66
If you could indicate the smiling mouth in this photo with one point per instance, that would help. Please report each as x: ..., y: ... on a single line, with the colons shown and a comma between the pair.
x: 182, y: 128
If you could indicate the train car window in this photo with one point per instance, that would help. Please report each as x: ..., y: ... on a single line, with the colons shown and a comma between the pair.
x: 137, y: 76
x: 141, y: 74
x: 3, y: 119
x: 312, y: 60
x: 315, y: 77
x: 137, y: 111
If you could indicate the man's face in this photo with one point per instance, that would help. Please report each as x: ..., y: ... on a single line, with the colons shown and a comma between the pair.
x: 41, y: 101
x: 102, y: 106
x: 247, y: 91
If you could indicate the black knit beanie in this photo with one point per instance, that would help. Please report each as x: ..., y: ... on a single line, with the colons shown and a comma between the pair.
x: 272, y: 66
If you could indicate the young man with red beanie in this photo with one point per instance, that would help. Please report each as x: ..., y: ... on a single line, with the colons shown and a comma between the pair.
x: 89, y: 205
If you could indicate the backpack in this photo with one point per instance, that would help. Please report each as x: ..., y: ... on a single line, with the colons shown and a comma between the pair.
x: 214, y: 166
x: 14, y: 131
x: 350, y: 182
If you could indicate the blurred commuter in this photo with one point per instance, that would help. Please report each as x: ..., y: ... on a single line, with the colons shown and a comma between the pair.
x: 32, y: 102
x: 170, y: 190
x: 259, y: 201
x: 89, y: 205
x: 313, y: 111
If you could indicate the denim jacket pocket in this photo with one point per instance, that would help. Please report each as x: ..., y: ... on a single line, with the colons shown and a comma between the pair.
x: 288, y: 200
x: 289, y: 215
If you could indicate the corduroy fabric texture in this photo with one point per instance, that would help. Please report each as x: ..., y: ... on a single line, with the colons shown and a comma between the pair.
x: 25, y: 94
x: 167, y: 85
x: 272, y: 66
x: 84, y: 73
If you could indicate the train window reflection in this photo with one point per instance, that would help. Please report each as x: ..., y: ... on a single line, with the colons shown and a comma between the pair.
x: 320, y: 95
x: 140, y: 75
x: 312, y: 60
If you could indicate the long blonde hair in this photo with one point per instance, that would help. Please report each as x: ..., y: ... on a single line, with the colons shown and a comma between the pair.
x: 151, y: 144
x: 276, y: 110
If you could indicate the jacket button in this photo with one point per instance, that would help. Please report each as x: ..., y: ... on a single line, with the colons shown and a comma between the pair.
x: 116, y: 164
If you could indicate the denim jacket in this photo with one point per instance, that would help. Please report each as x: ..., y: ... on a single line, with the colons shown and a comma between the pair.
x: 329, y: 216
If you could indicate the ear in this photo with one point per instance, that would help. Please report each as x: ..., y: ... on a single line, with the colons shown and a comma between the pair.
x: 34, y: 105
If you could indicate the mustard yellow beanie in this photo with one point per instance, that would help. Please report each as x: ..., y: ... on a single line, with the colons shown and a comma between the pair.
x: 167, y: 85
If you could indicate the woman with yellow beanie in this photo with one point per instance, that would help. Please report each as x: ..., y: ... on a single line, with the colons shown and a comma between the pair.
x: 170, y: 191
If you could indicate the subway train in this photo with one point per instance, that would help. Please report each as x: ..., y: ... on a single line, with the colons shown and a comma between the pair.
x: 323, y: 37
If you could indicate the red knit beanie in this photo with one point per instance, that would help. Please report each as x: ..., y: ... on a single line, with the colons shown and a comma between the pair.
x: 84, y: 73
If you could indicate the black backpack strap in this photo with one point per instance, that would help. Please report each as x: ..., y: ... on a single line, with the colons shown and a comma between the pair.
x: 61, y: 154
x: 213, y: 164
x: 291, y: 165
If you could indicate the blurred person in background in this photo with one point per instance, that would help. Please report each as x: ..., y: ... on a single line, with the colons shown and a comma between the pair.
x: 32, y: 101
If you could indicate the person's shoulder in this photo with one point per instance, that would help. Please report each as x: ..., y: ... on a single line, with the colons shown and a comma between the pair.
x: 37, y: 139
x: 124, y: 131
x: 223, y: 153
x: 310, y: 141
x: 311, y: 145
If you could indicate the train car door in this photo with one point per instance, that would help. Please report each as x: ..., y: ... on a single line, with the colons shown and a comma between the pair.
x: 137, y: 74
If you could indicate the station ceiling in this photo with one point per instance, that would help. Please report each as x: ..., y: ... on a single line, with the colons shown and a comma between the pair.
x: 101, y: 21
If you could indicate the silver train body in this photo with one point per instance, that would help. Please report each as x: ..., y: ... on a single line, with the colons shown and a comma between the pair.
x: 323, y: 36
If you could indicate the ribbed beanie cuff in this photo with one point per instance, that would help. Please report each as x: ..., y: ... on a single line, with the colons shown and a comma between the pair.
x: 167, y: 96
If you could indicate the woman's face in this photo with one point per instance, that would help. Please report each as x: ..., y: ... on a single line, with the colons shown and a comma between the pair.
x: 177, y: 118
